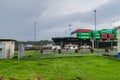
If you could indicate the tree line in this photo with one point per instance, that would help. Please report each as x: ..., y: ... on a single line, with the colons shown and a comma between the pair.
x: 37, y: 43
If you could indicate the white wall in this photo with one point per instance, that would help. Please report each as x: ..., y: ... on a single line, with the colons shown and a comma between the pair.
x: 118, y: 35
x: 9, y: 49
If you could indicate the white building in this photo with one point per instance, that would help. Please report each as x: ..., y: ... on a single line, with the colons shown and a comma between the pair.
x: 7, y: 47
x: 56, y: 47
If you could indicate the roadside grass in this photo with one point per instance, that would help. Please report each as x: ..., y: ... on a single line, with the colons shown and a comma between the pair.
x: 35, y: 66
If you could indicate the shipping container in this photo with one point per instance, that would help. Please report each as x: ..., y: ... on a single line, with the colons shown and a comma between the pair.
x: 109, y: 31
x: 103, y: 32
x: 114, y: 30
x: 96, y: 37
x: 83, y: 34
x: 95, y: 31
x: 116, y: 36
x: 104, y: 36
x: 115, y: 33
x: 83, y: 30
x: 84, y: 37
x: 111, y: 36
x: 97, y: 34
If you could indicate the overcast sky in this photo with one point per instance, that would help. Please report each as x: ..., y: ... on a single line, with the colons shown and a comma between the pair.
x: 53, y: 17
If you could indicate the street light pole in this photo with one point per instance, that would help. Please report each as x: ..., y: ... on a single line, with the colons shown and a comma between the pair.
x: 69, y: 29
x: 95, y: 26
x: 95, y: 18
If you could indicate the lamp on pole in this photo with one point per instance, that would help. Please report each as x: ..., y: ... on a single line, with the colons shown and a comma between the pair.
x: 70, y: 29
x: 95, y: 25
x: 95, y: 18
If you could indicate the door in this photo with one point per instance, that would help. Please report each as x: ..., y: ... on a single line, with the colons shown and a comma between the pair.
x: 2, y: 50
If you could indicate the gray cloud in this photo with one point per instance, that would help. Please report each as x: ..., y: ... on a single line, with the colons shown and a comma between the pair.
x: 17, y: 17
x: 106, y: 14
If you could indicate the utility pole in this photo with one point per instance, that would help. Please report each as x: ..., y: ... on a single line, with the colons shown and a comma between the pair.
x: 95, y: 18
x: 35, y: 31
x: 70, y: 29
x: 65, y: 33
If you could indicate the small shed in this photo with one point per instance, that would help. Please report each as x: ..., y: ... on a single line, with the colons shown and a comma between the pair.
x: 7, y: 47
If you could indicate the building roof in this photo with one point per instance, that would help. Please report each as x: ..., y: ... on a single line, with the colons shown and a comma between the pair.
x: 7, y: 40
